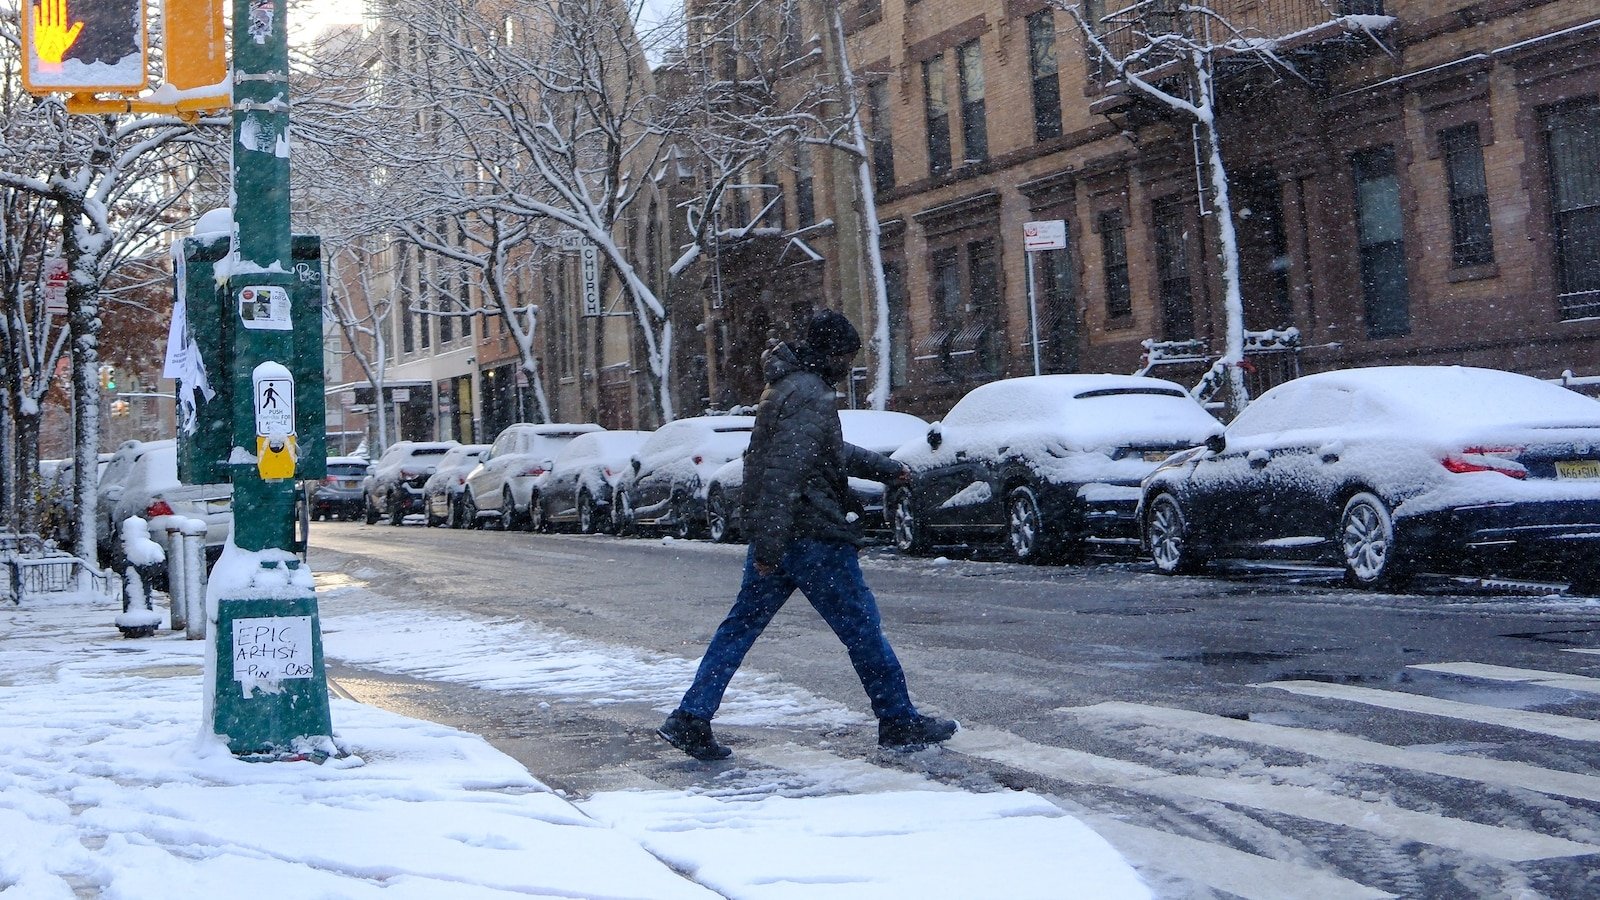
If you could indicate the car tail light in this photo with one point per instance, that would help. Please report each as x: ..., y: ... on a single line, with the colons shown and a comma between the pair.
x: 1486, y: 459
x: 330, y: 480
x: 408, y: 474
x: 158, y: 508
x: 461, y: 479
x: 609, y: 471
x: 534, y: 470
x: 698, y: 459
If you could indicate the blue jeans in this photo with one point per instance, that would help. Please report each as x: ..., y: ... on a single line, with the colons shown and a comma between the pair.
x: 830, y: 577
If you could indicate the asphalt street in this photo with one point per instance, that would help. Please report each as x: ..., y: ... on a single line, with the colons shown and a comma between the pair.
x: 1255, y: 732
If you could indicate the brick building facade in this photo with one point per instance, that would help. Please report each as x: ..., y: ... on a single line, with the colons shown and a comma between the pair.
x: 1423, y: 187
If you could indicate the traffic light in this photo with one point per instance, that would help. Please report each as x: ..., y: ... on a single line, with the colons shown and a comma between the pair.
x: 119, y: 407
x: 108, y: 377
x: 84, y: 46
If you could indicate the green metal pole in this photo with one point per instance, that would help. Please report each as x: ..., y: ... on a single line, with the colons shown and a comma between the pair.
x: 261, y: 215
x: 269, y: 689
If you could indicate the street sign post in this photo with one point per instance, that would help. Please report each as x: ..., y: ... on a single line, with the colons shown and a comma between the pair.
x: 1047, y: 234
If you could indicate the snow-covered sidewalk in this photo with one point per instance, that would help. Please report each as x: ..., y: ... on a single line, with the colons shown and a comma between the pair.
x: 109, y: 790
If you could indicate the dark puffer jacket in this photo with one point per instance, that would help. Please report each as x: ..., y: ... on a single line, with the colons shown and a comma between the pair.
x: 797, y: 468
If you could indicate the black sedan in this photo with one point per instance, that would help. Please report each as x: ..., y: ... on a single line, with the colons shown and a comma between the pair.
x: 1041, y: 465
x: 1390, y: 470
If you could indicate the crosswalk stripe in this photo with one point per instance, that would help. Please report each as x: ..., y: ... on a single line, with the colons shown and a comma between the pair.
x: 1382, y: 819
x: 1519, y: 719
x: 1560, y: 680
x: 1224, y: 868
x: 1344, y: 747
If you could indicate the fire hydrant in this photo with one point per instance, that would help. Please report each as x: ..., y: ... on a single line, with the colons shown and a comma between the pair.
x: 144, y: 557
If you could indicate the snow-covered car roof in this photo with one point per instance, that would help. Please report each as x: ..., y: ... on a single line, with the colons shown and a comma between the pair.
x: 462, y: 453
x: 602, y: 445
x: 554, y: 427
x: 881, y: 430
x: 1432, y: 399
x: 1086, y: 410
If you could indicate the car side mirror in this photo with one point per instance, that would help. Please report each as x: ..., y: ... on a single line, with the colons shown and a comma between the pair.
x: 635, y: 465
x: 1216, y: 443
x: 935, y: 437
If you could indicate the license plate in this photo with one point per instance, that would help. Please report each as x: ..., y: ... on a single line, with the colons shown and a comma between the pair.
x: 1578, y: 468
x: 1157, y: 455
x: 349, y: 484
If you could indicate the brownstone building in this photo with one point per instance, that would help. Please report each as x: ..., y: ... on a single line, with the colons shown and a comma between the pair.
x: 1412, y: 181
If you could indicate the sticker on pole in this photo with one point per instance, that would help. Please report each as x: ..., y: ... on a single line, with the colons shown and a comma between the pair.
x: 56, y: 278
x: 265, y: 308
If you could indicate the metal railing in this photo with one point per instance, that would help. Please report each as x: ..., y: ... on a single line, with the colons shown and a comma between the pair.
x: 34, y: 577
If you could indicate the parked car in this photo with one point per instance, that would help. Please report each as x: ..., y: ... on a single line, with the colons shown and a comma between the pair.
x: 877, y: 430
x: 339, y: 494
x: 502, y: 484
x: 1041, y: 464
x: 442, y: 492
x: 393, y: 486
x: 141, y: 481
x: 1390, y: 470
x: 578, y: 490
x: 667, y: 485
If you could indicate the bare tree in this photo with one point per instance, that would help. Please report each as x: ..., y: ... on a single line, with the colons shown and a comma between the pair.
x: 1170, y: 52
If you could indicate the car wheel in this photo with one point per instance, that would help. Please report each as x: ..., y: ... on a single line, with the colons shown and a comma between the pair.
x: 1168, y: 533
x: 1025, y: 527
x: 683, y: 527
x: 469, y: 511
x: 536, y: 520
x: 509, y: 520
x: 397, y: 515
x: 588, y: 516
x: 909, y: 534
x: 717, y: 516
x: 622, y: 513
x: 428, y: 518
x: 452, y: 513
x: 1366, y: 542
x: 372, y: 513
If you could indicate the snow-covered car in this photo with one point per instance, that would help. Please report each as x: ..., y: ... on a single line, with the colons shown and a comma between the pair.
x: 1390, y: 470
x: 339, y: 494
x: 142, y: 481
x: 1042, y: 464
x: 502, y: 485
x: 441, y: 493
x: 877, y: 430
x: 666, y: 487
x: 579, y: 488
x: 393, y: 486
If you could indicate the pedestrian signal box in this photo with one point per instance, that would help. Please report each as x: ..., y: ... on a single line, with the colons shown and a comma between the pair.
x: 206, y: 438
x: 84, y: 46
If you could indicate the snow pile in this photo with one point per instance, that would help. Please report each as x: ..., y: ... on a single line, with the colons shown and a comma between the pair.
x: 136, y: 544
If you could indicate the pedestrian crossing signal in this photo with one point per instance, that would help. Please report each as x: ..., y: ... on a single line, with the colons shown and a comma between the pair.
x: 84, y: 46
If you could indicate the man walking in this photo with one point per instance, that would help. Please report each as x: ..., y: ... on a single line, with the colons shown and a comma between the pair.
x: 794, y: 507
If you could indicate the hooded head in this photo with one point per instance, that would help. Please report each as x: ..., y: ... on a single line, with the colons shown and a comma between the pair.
x: 830, y: 343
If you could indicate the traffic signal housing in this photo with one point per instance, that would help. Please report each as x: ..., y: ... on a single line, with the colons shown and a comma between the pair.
x: 119, y: 407
x: 84, y: 46
x: 108, y: 377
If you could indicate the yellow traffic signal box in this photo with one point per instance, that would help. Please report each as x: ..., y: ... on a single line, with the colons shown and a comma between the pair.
x: 84, y: 46
x: 196, y: 45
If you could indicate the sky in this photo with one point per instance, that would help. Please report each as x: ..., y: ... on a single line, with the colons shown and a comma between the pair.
x: 112, y: 788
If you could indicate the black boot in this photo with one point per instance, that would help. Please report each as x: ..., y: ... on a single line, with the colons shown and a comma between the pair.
x: 692, y: 735
x: 915, y: 733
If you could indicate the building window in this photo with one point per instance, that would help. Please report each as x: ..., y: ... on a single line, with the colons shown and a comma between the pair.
x: 974, y: 127
x: 805, y: 202
x: 1057, y: 311
x: 1471, y: 241
x: 1572, y: 134
x: 1380, y: 231
x: 982, y: 333
x: 937, y: 107
x: 894, y: 285
x: 1114, y: 257
x: 408, y: 317
x: 1045, y: 72
x: 1172, y: 271
x: 880, y: 137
